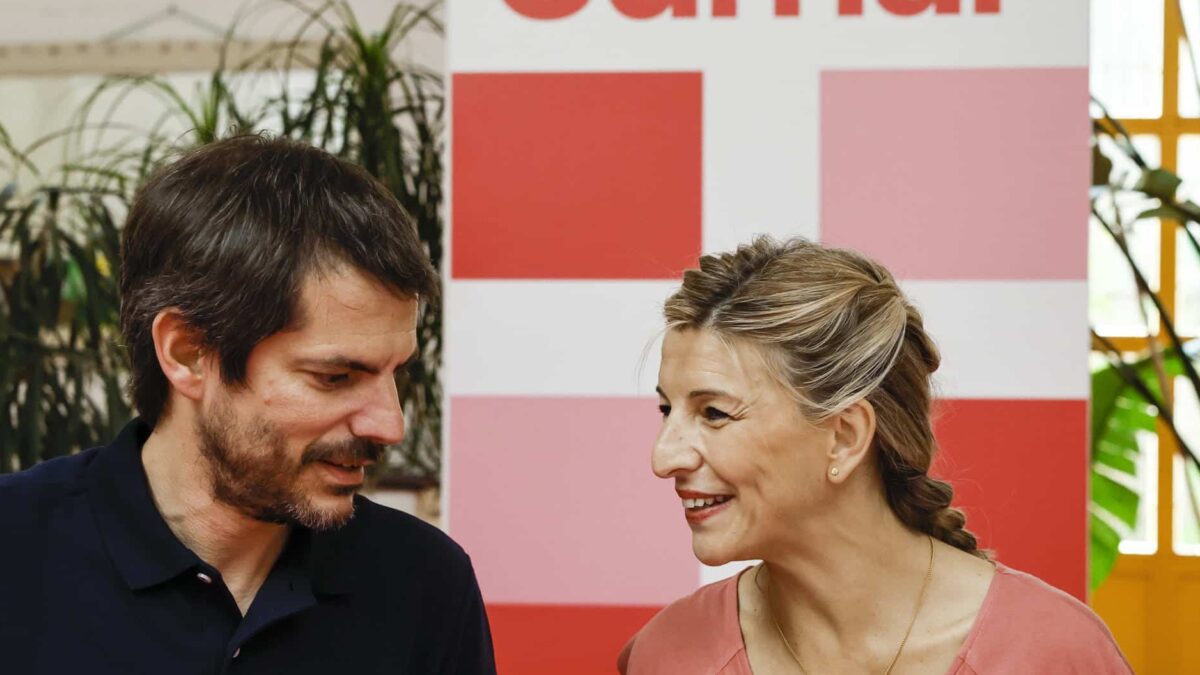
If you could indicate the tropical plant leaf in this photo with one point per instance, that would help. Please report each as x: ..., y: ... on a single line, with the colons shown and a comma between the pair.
x: 1159, y: 183
x: 1105, y: 544
x: 1120, y: 413
x: 1101, y: 166
x: 1115, y: 498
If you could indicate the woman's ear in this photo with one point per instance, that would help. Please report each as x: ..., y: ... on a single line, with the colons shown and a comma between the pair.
x: 853, y: 431
x: 180, y: 353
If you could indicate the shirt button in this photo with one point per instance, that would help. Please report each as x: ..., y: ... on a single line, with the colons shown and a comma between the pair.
x: 204, y: 577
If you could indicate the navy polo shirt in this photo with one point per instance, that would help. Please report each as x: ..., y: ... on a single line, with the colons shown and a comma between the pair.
x: 93, y: 581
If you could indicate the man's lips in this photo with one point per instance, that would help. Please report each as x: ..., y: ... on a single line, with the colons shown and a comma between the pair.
x: 351, y: 473
x: 348, y: 463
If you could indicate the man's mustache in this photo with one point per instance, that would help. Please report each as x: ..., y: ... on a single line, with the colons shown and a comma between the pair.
x: 344, y: 452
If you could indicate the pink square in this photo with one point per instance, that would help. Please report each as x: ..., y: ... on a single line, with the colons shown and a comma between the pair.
x: 555, y: 501
x: 958, y: 174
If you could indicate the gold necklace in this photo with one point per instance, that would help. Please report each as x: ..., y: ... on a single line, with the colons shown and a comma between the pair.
x: 912, y: 622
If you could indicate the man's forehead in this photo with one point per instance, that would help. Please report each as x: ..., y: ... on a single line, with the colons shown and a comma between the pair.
x: 347, y: 295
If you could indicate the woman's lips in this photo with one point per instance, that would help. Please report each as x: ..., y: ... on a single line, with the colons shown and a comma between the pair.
x: 702, y: 513
x: 700, y: 506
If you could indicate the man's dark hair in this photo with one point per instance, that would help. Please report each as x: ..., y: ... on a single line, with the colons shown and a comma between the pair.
x: 228, y: 233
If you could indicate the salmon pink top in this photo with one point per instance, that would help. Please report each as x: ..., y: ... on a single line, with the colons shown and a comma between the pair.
x: 1024, y: 626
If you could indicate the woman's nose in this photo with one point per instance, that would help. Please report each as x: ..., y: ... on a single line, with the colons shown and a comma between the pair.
x: 674, y: 453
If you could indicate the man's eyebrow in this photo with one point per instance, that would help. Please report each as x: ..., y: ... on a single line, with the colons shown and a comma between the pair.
x: 344, y: 363
x: 340, y: 363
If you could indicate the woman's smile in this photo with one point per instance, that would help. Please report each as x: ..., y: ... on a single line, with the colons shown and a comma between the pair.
x: 700, y: 506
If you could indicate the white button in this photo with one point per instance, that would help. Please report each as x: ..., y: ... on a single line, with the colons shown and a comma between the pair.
x: 204, y: 577
x: 236, y: 652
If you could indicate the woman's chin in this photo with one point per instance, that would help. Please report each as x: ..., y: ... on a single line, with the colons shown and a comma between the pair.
x: 711, y: 554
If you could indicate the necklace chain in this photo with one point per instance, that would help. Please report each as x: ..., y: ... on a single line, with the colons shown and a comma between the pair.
x: 912, y: 622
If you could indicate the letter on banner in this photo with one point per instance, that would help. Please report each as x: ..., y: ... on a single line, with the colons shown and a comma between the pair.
x: 724, y: 8
x: 787, y: 7
x: 911, y: 7
x: 647, y: 9
x: 546, y: 9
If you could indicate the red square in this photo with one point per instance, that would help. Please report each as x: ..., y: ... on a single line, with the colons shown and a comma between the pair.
x: 1019, y: 470
x: 576, y: 175
x: 557, y: 639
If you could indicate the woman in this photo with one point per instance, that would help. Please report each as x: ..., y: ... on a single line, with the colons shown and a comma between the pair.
x: 795, y: 395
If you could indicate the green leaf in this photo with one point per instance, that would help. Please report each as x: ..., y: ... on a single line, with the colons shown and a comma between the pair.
x: 1115, y: 498
x: 1190, y: 209
x: 1102, y: 554
x: 1101, y: 167
x: 1163, y: 211
x: 1133, y: 419
x: 73, y: 289
x: 1119, y: 415
x: 1123, y: 460
x: 1159, y: 183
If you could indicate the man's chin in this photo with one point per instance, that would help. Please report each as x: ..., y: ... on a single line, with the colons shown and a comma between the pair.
x: 328, y: 512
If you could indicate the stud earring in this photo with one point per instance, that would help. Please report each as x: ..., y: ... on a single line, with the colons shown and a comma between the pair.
x: 834, y: 471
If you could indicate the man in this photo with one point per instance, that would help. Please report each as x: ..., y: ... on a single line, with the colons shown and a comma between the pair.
x: 269, y: 295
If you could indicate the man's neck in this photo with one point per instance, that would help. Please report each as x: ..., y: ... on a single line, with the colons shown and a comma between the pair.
x: 242, y: 548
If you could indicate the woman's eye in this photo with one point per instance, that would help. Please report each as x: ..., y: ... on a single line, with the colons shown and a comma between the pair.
x: 664, y: 409
x: 713, y: 415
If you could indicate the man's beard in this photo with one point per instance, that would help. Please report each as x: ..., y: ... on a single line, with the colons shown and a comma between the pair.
x: 250, y: 469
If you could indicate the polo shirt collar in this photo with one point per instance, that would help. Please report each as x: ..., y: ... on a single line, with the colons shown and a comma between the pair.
x: 147, y: 553
x: 141, y: 545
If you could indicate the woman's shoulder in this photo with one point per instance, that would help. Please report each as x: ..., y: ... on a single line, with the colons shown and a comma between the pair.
x: 698, y: 633
x: 1028, y: 623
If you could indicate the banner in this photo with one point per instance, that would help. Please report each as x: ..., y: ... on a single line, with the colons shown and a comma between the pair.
x: 599, y: 146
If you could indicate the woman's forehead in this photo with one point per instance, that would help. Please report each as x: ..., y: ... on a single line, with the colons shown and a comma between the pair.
x: 692, y: 355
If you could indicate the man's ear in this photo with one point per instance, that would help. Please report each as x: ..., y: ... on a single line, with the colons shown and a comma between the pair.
x: 180, y: 353
x: 853, y: 431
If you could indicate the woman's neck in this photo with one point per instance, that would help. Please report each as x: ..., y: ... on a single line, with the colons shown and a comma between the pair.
x: 853, y: 579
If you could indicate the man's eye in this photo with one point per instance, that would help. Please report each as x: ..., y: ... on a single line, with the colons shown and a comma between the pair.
x: 664, y: 409
x: 713, y: 415
x: 332, y: 379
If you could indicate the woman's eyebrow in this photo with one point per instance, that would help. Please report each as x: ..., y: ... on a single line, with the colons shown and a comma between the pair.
x: 700, y: 393
x: 709, y: 393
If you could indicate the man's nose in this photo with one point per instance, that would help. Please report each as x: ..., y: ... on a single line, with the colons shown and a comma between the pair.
x: 381, y: 418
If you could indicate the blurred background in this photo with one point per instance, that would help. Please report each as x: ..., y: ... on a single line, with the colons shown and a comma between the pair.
x: 95, y: 95
x: 1144, y: 309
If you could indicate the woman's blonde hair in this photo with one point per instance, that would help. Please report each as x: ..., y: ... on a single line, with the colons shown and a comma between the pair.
x: 835, y: 328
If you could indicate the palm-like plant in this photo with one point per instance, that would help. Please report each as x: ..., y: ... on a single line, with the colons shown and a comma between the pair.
x: 1133, y: 395
x: 61, y: 368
